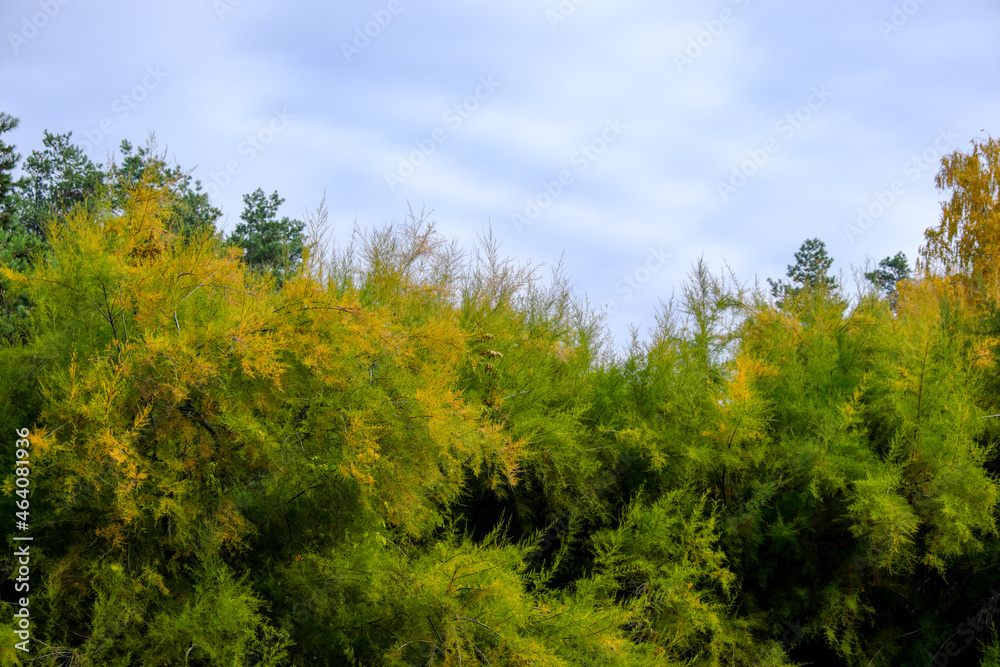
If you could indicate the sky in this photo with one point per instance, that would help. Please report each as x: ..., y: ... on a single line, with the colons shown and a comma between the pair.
x: 627, y: 138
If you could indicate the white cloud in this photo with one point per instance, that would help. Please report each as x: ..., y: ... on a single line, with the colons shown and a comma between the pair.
x: 686, y: 130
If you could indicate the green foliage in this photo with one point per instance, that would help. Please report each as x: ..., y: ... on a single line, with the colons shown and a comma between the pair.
x: 17, y: 243
x: 8, y: 162
x: 454, y: 601
x: 220, y: 624
x: 890, y: 272
x: 665, y: 561
x: 991, y: 651
x: 809, y: 271
x: 393, y: 453
x: 269, y: 244
x: 190, y: 211
x: 56, y: 180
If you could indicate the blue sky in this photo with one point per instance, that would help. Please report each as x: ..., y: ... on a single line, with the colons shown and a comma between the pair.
x: 630, y: 138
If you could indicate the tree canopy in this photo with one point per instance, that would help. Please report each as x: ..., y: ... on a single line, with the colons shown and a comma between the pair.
x: 967, y: 239
x: 269, y: 244
x: 808, y: 273
x: 261, y: 451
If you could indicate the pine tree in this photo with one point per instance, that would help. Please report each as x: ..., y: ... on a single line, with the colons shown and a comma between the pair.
x: 191, y: 212
x: 269, y: 244
x: 17, y: 243
x: 808, y: 273
x: 9, y: 158
x: 57, y: 179
x: 890, y: 272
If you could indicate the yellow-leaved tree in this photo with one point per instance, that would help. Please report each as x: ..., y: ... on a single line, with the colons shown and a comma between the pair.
x: 967, y: 240
x: 189, y: 410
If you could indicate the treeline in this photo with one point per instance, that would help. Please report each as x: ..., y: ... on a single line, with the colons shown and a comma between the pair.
x: 272, y: 449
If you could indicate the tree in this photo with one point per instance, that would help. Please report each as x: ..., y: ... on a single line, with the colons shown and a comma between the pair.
x: 407, y: 455
x: 8, y: 162
x: 967, y: 241
x: 193, y: 212
x: 269, y: 244
x: 890, y: 272
x: 808, y: 272
x: 17, y: 244
x: 57, y: 179
x: 875, y: 420
x: 190, y: 211
x: 240, y: 439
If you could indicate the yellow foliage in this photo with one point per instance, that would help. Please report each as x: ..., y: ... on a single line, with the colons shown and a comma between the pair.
x: 967, y: 241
